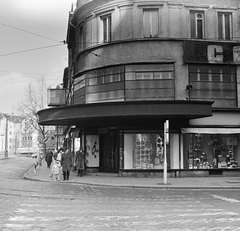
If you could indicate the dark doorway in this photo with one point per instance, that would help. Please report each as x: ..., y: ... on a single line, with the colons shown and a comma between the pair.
x: 109, y: 151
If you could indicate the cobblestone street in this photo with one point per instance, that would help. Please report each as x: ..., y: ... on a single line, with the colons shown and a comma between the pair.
x: 35, y: 205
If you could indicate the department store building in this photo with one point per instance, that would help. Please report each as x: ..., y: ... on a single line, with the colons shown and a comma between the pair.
x: 134, y: 64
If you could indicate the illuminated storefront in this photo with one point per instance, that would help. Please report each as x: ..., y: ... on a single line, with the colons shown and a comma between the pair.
x: 207, y: 151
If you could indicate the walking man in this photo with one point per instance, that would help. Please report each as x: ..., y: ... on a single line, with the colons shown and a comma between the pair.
x: 66, y: 164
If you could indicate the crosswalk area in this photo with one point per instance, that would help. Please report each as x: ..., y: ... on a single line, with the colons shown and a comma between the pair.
x: 119, y: 212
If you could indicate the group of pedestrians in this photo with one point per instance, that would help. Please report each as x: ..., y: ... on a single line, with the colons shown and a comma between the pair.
x: 64, y: 161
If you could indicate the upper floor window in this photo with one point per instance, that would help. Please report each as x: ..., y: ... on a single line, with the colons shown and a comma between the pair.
x: 197, y: 24
x: 107, y: 27
x: 214, y: 82
x: 106, y: 75
x: 79, y: 82
x: 150, y: 22
x: 224, y: 25
x: 149, y: 72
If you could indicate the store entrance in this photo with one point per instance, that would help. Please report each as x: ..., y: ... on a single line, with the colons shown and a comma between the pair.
x: 109, y: 151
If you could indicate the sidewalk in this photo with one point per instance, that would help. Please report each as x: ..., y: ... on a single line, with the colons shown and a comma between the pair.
x: 113, y: 180
x: 9, y: 155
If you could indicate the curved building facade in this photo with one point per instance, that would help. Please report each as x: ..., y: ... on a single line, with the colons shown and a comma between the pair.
x: 133, y: 65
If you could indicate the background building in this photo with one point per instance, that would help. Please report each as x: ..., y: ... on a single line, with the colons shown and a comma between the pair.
x: 10, y: 128
x: 135, y: 64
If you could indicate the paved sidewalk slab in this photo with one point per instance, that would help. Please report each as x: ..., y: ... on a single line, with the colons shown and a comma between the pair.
x: 114, y: 180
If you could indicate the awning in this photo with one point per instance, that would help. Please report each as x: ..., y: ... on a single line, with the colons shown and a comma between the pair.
x: 122, y: 113
x: 211, y: 130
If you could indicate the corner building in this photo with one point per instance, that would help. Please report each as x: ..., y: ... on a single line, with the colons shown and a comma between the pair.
x: 133, y: 64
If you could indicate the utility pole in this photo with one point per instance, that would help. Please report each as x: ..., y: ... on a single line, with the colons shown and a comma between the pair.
x: 6, y: 136
x: 166, y: 141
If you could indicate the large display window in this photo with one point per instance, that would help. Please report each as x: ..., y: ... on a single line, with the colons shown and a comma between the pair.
x: 143, y: 151
x: 204, y: 151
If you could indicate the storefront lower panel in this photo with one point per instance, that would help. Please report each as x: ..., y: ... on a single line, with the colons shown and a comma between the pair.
x: 180, y: 173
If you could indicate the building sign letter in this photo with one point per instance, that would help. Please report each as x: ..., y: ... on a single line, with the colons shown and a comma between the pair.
x: 236, y: 54
x: 215, y: 53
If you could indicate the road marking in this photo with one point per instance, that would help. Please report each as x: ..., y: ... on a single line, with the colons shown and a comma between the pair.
x: 226, y: 199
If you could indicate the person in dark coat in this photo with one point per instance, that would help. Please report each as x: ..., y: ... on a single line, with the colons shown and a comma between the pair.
x: 79, y: 161
x: 49, y: 157
x: 66, y: 164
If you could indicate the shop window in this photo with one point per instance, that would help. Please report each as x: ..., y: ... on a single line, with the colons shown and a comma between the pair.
x: 150, y: 22
x: 209, y: 151
x: 197, y: 24
x: 144, y: 151
x: 224, y: 25
x: 107, y: 27
x: 214, y: 82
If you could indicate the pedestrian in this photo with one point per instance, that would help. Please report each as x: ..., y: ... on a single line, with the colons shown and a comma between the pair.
x: 41, y: 158
x: 49, y: 157
x: 55, y: 171
x: 59, y: 155
x: 80, y: 161
x: 35, y: 164
x: 66, y: 164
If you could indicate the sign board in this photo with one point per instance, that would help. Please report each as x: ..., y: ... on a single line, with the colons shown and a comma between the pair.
x: 211, y: 52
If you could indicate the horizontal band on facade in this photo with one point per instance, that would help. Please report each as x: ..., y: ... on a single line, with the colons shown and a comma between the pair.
x: 116, y: 111
x: 211, y: 130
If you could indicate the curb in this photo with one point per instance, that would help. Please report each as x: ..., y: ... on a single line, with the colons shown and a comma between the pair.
x: 168, y: 186
x: 163, y: 187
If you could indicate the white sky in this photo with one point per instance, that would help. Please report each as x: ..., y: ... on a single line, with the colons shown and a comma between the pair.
x: 48, y: 18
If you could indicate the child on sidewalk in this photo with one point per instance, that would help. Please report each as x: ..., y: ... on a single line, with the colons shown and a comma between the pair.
x: 55, y: 170
x: 35, y: 164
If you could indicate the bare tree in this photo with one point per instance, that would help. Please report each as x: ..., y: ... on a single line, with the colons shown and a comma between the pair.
x: 35, y: 100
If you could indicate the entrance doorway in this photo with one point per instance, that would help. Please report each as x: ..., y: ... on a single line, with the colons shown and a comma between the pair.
x: 109, y: 151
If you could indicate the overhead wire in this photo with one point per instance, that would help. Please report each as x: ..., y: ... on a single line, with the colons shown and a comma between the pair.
x: 33, y: 49
x: 29, y: 32
x: 22, y: 81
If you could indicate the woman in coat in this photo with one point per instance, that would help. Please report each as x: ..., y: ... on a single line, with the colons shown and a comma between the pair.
x: 66, y: 164
x: 79, y: 161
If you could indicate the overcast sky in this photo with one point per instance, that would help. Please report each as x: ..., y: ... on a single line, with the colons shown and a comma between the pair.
x: 19, y: 21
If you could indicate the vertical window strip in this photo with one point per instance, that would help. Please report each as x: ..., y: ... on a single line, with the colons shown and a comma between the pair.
x: 107, y: 24
x: 192, y: 24
x: 199, y: 25
x: 220, y: 26
x: 227, y: 26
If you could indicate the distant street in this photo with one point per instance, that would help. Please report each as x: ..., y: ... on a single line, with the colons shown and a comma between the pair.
x: 34, y: 205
